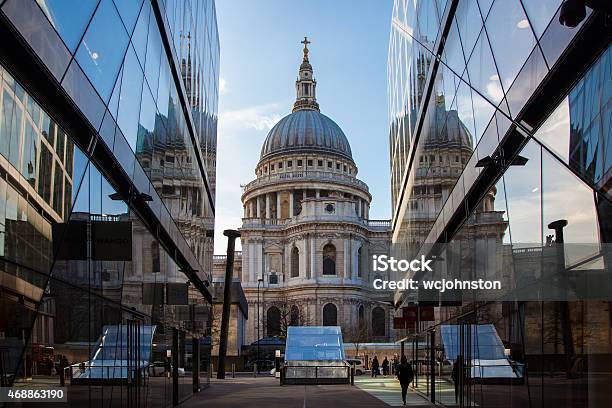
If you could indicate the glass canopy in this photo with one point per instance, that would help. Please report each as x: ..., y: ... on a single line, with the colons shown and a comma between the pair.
x: 314, y: 343
x: 485, y: 342
x: 110, y: 359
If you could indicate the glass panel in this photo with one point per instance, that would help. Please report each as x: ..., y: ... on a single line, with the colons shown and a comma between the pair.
x: 565, y: 197
x: 58, y: 189
x: 483, y: 73
x: 511, y: 38
x: 68, y: 17
x: 154, y: 53
x: 83, y: 94
x: 128, y: 9
x: 469, y: 23
x: 555, y: 132
x: 523, y: 198
x: 140, y: 35
x: 528, y: 79
x: 590, y: 130
x: 15, y: 135
x: 29, y: 160
x: 44, y: 173
x: 557, y: 37
x: 101, y: 52
x: 6, y: 122
x: 33, y: 26
x: 129, y: 102
x: 540, y: 13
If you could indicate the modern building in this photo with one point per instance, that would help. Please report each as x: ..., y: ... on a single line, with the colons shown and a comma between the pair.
x: 108, y: 113
x: 306, y: 233
x: 498, y: 127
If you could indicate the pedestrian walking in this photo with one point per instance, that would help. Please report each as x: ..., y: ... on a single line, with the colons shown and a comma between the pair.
x: 405, y: 375
x: 385, y: 366
x: 375, y: 366
x: 63, y: 363
x: 395, y: 364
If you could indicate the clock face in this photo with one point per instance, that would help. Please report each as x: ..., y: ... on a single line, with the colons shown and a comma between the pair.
x: 329, y: 208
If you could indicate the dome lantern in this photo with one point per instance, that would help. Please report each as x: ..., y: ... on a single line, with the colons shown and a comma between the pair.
x: 305, y: 86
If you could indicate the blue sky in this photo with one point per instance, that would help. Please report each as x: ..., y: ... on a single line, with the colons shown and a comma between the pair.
x: 260, y: 56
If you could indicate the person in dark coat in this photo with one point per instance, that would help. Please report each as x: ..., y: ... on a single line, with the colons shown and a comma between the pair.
x: 385, y: 366
x: 405, y: 375
x: 62, y: 370
x: 375, y: 366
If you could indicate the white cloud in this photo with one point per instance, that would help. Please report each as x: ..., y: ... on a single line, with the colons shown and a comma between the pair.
x: 241, y: 132
x: 523, y: 24
x: 259, y: 117
x: 223, y: 88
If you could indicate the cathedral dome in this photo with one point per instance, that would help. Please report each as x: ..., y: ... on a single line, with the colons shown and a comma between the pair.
x: 306, y: 130
x: 448, y: 130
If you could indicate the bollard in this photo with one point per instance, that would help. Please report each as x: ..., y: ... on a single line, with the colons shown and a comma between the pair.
x: 255, y: 370
x: 212, y: 368
x: 233, y: 370
x: 353, y: 374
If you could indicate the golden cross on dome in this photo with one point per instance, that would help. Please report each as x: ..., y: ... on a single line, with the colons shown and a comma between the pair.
x: 305, y: 42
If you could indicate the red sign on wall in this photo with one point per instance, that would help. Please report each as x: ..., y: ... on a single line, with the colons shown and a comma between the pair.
x: 399, y: 323
x: 411, y: 314
x: 427, y: 314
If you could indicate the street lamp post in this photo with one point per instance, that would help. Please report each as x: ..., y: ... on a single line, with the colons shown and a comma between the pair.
x: 259, y: 281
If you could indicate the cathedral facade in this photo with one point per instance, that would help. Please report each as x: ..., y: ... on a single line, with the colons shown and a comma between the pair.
x: 307, y: 239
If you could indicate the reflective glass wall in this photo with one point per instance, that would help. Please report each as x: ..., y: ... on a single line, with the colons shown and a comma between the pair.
x: 451, y: 117
x: 74, y: 309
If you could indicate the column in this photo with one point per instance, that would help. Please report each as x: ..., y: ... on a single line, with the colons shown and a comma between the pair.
x: 290, y: 203
x: 258, y: 202
x: 313, y: 258
x: 278, y: 205
x: 306, y: 255
x: 318, y: 193
x: 358, y: 207
x: 303, y: 194
x: 252, y: 262
x: 267, y: 214
x: 346, y: 273
x: 365, y: 266
x: 252, y: 203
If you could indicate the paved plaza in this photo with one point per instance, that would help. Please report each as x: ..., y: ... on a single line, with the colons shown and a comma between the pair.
x: 266, y: 392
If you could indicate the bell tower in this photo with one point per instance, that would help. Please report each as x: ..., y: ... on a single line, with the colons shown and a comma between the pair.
x: 305, y: 86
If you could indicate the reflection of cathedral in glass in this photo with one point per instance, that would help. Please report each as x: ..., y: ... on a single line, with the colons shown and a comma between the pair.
x: 107, y: 158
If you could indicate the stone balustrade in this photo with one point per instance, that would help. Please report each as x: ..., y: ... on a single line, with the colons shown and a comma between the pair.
x: 304, y: 176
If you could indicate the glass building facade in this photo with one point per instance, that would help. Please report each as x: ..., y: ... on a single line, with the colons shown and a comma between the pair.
x: 108, y: 123
x: 499, y: 132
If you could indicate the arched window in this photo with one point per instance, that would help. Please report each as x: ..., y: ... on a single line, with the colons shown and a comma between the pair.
x: 273, y: 321
x: 378, y: 322
x: 295, y: 262
x: 329, y: 260
x: 294, y: 318
x: 359, y: 262
x: 330, y: 315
